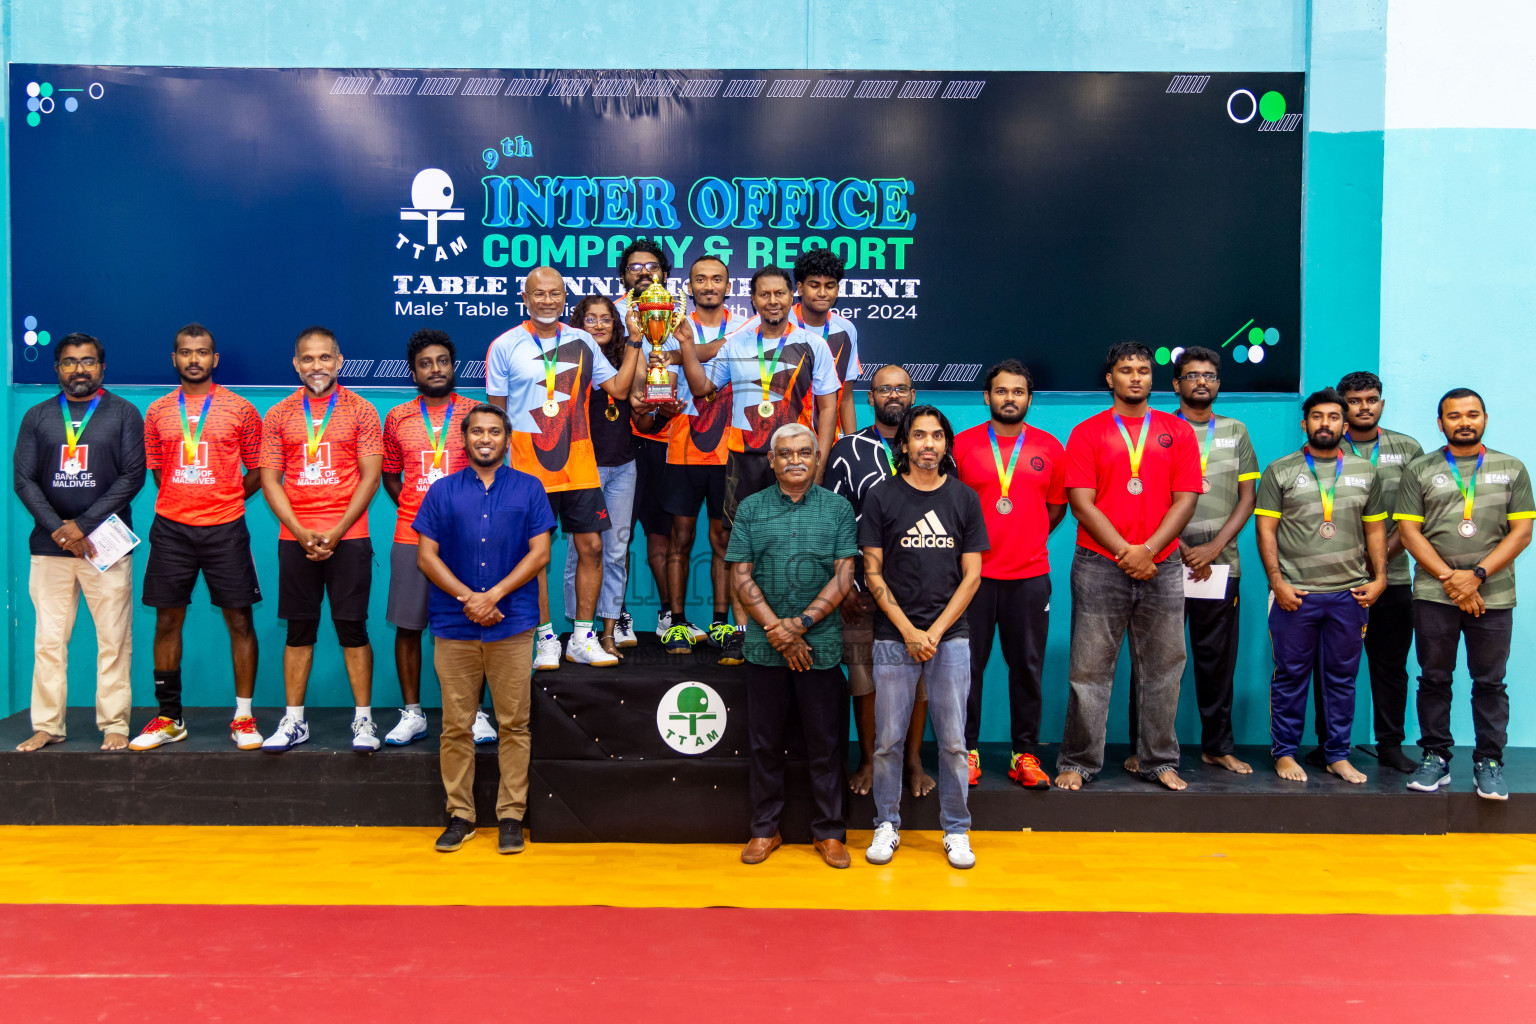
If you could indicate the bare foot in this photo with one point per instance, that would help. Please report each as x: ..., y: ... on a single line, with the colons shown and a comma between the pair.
x: 1132, y: 764
x: 39, y: 740
x: 114, y: 741
x: 1229, y: 762
x: 1346, y: 771
x: 1172, y: 781
x: 1070, y: 780
x: 862, y: 779
x: 1288, y: 769
x: 921, y: 782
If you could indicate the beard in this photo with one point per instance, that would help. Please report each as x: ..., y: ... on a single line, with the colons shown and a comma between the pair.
x: 1460, y: 439
x: 494, y: 460
x: 891, y: 413
x: 438, y: 390
x: 79, y: 386
x: 1009, y: 418
x: 1199, y: 403
x: 1324, y: 440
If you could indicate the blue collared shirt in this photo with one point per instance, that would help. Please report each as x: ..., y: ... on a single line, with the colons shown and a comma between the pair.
x: 481, y: 534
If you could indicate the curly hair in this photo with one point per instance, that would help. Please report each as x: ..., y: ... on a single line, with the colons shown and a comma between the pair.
x: 818, y: 263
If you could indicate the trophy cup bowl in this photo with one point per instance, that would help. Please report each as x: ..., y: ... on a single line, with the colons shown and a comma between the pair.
x: 659, y: 314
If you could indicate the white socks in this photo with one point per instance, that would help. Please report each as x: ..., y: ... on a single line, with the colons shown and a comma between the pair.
x: 296, y: 711
x: 243, y: 707
x: 362, y: 714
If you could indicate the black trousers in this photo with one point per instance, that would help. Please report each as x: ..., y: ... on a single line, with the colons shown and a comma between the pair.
x: 822, y: 698
x: 1439, y: 628
x: 1388, y: 636
x: 1213, y: 636
x: 1020, y: 610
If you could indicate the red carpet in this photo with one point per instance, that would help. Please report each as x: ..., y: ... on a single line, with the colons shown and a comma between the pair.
x: 572, y: 965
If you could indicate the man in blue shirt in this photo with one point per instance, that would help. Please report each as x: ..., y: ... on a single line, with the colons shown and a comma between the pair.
x: 484, y: 541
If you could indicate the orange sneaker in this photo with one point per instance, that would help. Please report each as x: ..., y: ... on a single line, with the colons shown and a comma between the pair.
x: 1026, y: 771
x: 973, y: 761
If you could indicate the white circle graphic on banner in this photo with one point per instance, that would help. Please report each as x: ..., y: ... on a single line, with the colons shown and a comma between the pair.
x: 691, y: 718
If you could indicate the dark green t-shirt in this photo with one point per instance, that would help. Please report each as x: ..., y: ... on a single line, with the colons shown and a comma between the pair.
x: 1289, y: 492
x: 1228, y: 462
x: 1390, y: 454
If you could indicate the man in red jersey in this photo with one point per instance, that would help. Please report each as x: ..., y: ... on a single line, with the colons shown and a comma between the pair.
x: 321, y: 455
x: 203, y: 444
x: 1019, y: 472
x: 1133, y: 476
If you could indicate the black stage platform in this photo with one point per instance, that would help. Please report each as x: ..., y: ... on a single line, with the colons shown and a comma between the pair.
x: 602, y: 772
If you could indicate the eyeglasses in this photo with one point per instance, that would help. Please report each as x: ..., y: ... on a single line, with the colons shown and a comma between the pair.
x: 892, y: 390
x: 796, y: 454
x: 635, y: 268
x: 1196, y: 378
x: 598, y: 321
x: 88, y: 363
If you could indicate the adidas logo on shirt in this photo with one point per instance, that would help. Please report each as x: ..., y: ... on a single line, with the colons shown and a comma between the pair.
x: 928, y: 533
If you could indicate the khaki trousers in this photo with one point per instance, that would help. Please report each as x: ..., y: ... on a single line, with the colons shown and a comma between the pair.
x: 507, y: 667
x: 56, y: 584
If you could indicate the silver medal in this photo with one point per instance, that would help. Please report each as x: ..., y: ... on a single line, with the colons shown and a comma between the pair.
x: 433, y: 476
x: 312, y: 471
x: 1205, y: 485
x: 1327, y: 530
x: 72, y: 467
x: 1004, y: 506
x: 1467, y: 528
x: 1133, y: 485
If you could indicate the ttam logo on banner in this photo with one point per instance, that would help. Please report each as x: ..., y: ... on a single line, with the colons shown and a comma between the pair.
x: 432, y: 201
x: 691, y: 718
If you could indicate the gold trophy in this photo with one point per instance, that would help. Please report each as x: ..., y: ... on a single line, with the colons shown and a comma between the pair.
x: 659, y: 314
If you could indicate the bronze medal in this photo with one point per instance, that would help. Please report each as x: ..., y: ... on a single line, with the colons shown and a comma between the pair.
x: 1328, y: 530
x: 1467, y: 528
x: 1205, y: 485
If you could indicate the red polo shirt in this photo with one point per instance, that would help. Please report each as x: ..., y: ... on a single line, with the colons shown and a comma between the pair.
x: 1018, y: 538
x: 1098, y: 457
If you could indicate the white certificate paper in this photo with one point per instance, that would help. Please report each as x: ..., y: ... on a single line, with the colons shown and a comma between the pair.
x: 1212, y: 589
x: 112, y: 540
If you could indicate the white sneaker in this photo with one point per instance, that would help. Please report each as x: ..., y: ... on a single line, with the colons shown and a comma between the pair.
x: 365, y: 736
x: 663, y: 623
x: 588, y: 651
x: 546, y: 654
x: 290, y: 733
x: 412, y: 727
x: 883, y: 847
x: 624, y: 631
x: 484, y: 731
x: 957, y: 848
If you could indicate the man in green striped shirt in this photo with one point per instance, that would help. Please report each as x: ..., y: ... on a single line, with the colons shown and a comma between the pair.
x: 1465, y: 513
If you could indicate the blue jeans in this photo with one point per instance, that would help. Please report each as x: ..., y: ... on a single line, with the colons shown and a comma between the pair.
x: 619, y: 492
x: 947, y: 675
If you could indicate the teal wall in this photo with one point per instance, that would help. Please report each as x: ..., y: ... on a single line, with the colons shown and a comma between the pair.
x: 1342, y: 43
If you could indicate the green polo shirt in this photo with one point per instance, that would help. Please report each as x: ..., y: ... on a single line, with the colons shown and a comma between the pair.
x: 1289, y: 492
x: 793, y: 547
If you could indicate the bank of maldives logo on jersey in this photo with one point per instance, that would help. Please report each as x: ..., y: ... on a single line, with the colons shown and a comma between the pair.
x: 433, y: 468
x: 691, y: 718
x: 318, y: 470
x: 195, y: 471
x: 77, y: 465
x: 928, y: 533
x: 432, y: 203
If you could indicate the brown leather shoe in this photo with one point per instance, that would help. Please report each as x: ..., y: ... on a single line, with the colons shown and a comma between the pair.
x: 758, y: 849
x: 833, y: 852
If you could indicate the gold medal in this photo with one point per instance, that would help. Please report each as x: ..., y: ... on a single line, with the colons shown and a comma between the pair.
x: 612, y: 412
x: 551, y: 408
x: 765, y: 409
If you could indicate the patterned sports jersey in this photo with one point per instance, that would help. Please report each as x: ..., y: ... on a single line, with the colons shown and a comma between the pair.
x: 319, y: 489
x: 408, y: 451
x: 556, y: 450
x: 1429, y: 495
x: 805, y: 368
x: 1229, y: 461
x: 1308, y: 560
x: 210, y: 489
x: 700, y: 437
x: 842, y: 340
x: 1390, y: 454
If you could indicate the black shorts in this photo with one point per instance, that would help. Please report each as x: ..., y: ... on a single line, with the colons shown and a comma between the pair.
x: 690, y: 486
x: 178, y: 551
x: 651, y: 487
x: 346, y: 578
x: 746, y: 473
x: 582, y: 511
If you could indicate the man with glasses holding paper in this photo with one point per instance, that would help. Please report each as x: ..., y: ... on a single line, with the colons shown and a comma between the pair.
x: 79, y: 461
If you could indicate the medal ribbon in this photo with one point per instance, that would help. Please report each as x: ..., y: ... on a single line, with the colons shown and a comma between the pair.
x: 694, y: 316
x: 71, y: 435
x: 1467, y: 489
x: 765, y: 368
x: 1005, y: 477
x: 309, y: 424
x: 890, y: 458
x: 439, y: 440
x: 826, y: 328
x: 1141, y: 443
x: 1327, y: 495
x: 1205, y: 446
x: 1375, y: 450
x: 551, y: 359
x: 189, y: 440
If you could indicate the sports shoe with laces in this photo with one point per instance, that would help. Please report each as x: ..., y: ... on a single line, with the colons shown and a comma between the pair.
x: 243, y: 731
x: 365, y: 736
x: 546, y: 653
x: 290, y: 732
x: 484, y: 732
x: 883, y: 846
x: 509, y: 835
x: 586, y: 650
x: 663, y: 623
x: 1489, y: 775
x: 458, y: 832
x: 957, y: 850
x: 1026, y: 771
x: 718, y: 631
x: 624, y: 631
x: 1432, y: 773
x: 159, y: 731
x: 412, y: 727
x: 733, y: 649
x: 973, y: 765
x: 679, y: 639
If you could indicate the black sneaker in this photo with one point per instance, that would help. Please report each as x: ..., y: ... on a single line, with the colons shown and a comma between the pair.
x: 509, y: 835
x: 733, y: 649
x: 1489, y: 775
x: 718, y: 631
x: 455, y: 835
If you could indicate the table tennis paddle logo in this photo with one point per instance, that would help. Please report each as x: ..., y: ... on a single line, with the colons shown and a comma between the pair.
x: 691, y: 718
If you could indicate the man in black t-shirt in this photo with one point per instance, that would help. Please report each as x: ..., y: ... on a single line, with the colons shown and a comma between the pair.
x: 922, y: 535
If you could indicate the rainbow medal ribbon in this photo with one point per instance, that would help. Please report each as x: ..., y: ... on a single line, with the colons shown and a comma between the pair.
x: 1205, y: 451
x: 1005, y: 476
x: 439, y: 441
x: 72, y: 465
x: 1375, y: 449
x: 1328, y: 530
x: 1135, y: 451
x: 890, y: 459
x: 1467, y: 528
x: 191, y: 442
x: 826, y: 328
x: 551, y: 359
x: 726, y: 320
x: 313, y: 469
x: 766, y: 369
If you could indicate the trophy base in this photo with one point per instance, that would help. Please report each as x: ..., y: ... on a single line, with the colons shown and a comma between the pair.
x: 659, y: 394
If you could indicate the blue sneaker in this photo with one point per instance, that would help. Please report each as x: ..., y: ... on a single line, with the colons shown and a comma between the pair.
x: 1490, y: 779
x: 1432, y: 773
x: 679, y: 639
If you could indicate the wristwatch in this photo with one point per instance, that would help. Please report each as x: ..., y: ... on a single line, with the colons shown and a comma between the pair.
x: 807, y: 621
x: 1479, y: 572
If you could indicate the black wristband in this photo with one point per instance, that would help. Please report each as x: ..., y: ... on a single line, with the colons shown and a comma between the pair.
x: 633, y: 344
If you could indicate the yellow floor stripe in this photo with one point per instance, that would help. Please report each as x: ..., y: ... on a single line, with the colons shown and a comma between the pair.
x: 1194, y: 873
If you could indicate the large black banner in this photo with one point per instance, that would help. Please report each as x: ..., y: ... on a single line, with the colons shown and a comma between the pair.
x: 982, y: 215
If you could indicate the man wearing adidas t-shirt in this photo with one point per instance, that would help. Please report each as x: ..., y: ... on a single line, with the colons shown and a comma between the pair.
x: 922, y: 535
x: 818, y: 276
x: 1465, y: 513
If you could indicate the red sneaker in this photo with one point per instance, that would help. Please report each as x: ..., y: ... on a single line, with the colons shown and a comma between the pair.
x: 1026, y: 771
x: 973, y: 761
